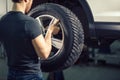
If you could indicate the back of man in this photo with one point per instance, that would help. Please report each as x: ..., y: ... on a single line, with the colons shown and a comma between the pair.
x: 24, y: 42
x: 16, y: 31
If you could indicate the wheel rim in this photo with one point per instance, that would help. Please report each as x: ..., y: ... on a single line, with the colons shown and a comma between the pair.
x: 57, y: 40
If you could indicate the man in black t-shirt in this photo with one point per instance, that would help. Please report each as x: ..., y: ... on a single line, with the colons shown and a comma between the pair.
x: 24, y: 42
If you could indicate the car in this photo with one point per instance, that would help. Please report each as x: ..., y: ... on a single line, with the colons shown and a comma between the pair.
x: 89, y: 28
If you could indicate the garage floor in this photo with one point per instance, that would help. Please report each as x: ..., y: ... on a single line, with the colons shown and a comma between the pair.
x: 91, y: 72
x: 107, y: 72
x: 79, y: 72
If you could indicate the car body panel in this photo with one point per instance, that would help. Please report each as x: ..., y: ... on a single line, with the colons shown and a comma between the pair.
x: 105, y: 10
x: 110, y: 30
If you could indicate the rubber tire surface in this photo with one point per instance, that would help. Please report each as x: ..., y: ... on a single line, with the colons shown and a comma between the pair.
x: 73, y: 36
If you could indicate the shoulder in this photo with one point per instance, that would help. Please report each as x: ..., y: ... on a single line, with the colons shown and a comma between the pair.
x: 28, y: 18
x: 31, y: 21
x: 3, y: 17
x: 32, y: 28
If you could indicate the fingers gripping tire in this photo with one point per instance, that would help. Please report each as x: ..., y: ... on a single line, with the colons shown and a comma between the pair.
x: 72, y: 36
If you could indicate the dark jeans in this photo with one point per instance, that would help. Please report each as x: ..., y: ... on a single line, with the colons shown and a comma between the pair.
x: 15, y: 75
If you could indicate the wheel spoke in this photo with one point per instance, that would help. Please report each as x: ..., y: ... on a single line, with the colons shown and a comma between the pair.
x: 41, y: 24
x: 57, y: 43
x: 40, y: 21
x: 51, y: 21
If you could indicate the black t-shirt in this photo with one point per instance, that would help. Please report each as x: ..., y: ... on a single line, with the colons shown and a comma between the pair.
x: 16, y: 32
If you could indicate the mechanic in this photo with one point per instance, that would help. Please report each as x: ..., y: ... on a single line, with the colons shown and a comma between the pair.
x: 24, y: 42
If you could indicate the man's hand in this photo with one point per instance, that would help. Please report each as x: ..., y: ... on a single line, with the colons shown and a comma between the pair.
x: 56, y: 30
x: 53, y: 26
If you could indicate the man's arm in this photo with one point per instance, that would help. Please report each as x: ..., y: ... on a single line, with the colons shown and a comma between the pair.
x: 43, y: 45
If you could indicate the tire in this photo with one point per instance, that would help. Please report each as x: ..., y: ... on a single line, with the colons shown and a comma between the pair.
x: 71, y: 36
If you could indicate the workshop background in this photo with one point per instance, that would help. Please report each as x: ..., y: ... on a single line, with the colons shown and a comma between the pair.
x: 95, y: 66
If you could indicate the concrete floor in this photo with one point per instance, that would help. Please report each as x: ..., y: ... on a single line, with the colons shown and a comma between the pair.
x: 79, y: 72
x: 92, y: 73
